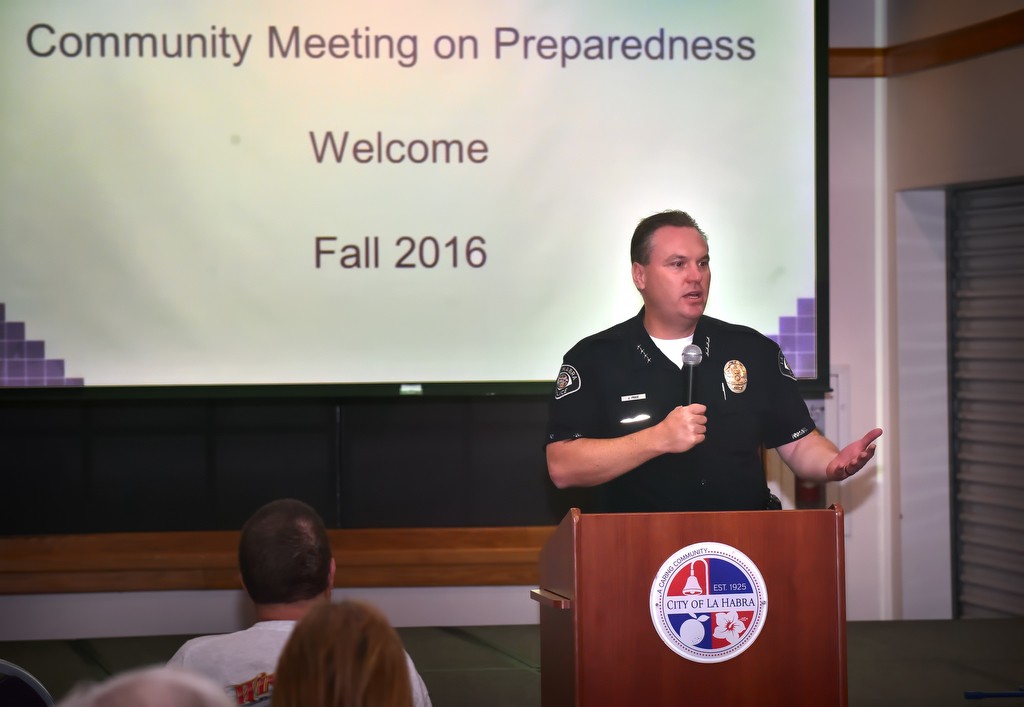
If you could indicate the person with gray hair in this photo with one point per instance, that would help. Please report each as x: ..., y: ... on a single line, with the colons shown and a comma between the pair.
x: 156, y: 686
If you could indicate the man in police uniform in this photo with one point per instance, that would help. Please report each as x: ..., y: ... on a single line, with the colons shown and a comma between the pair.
x: 619, y: 418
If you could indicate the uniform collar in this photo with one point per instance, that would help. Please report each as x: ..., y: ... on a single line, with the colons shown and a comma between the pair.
x: 702, y: 336
x: 646, y: 349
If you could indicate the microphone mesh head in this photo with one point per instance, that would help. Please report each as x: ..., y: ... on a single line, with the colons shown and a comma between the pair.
x: 692, y: 355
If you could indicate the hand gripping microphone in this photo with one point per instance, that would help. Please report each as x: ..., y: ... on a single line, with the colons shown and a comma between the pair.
x: 691, y: 359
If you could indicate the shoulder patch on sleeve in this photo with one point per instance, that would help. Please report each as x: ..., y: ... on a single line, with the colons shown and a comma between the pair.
x: 784, y: 368
x: 568, y: 382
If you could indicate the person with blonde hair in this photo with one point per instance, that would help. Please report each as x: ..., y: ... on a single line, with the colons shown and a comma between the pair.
x: 343, y: 655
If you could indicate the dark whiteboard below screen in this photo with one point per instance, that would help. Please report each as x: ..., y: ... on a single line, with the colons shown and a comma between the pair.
x: 236, y: 194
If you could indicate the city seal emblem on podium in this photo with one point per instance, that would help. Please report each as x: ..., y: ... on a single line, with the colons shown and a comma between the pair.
x: 708, y: 602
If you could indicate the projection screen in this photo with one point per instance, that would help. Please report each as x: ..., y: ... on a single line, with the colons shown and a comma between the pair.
x: 260, y: 193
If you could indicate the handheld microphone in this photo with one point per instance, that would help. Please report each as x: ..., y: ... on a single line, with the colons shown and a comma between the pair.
x: 691, y: 359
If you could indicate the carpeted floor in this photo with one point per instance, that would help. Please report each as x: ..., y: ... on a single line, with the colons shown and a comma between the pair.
x: 901, y: 663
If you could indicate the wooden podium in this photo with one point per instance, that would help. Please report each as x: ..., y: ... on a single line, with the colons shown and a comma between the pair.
x: 599, y: 644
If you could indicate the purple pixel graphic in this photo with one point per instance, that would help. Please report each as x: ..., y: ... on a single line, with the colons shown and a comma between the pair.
x: 23, y: 362
x: 796, y: 338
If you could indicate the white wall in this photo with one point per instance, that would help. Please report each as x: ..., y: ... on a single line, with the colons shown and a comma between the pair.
x: 909, y: 20
x: 924, y: 559
x: 952, y: 125
x: 895, y: 144
x: 857, y: 308
x: 69, y: 616
x: 858, y: 316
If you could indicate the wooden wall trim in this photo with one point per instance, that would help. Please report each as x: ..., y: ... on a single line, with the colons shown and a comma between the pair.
x: 856, y: 63
x: 962, y: 44
x: 410, y: 557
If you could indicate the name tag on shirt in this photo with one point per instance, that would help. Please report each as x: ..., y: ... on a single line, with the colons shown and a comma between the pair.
x: 637, y: 396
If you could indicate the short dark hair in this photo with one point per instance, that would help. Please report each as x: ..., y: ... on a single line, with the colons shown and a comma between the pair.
x: 284, y: 554
x: 640, y: 246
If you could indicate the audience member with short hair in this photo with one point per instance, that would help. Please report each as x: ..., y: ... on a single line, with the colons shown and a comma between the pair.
x: 157, y: 686
x: 343, y: 655
x: 287, y: 569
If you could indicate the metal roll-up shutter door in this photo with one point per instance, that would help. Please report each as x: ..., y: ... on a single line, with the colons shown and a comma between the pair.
x: 987, y: 331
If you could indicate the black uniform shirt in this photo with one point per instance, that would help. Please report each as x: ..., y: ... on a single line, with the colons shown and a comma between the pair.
x: 618, y: 381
